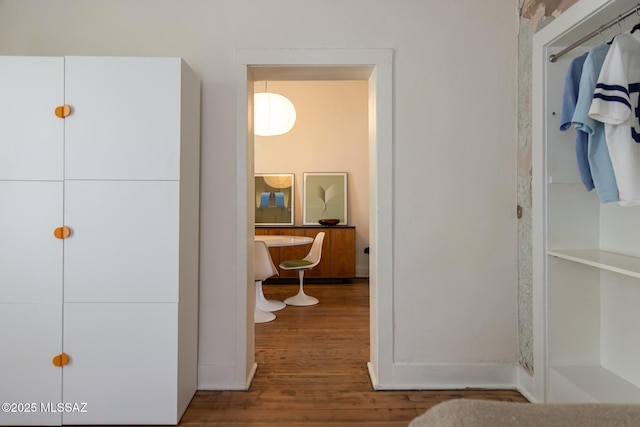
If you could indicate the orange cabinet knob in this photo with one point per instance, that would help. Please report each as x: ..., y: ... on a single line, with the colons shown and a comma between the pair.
x: 62, y: 232
x: 63, y: 111
x: 60, y: 360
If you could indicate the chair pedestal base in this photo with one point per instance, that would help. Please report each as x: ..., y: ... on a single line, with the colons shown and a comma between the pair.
x: 301, y: 299
x: 260, y: 316
x: 266, y: 304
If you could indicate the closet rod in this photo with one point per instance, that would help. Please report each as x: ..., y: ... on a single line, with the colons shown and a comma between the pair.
x: 620, y: 18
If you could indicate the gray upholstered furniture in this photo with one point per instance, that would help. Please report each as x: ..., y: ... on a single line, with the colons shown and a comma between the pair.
x: 485, y: 413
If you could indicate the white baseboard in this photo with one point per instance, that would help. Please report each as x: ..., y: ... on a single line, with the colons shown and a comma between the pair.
x: 223, y: 377
x: 450, y: 377
x: 527, y: 386
x: 372, y: 376
x: 405, y: 376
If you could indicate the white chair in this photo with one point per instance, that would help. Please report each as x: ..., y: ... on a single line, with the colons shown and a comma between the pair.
x: 307, y: 263
x: 262, y: 302
x: 263, y: 269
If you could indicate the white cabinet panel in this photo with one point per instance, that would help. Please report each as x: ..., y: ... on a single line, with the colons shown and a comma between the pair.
x: 114, y: 346
x: 125, y: 122
x: 30, y: 255
x: 124, y: 241
x: 32, y: 136
x: 27, y: 374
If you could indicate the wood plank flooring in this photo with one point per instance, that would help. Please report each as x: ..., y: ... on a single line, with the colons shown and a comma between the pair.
x: 312, y: 371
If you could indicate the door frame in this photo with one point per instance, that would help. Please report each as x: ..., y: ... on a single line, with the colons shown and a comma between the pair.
x: 375, y: 66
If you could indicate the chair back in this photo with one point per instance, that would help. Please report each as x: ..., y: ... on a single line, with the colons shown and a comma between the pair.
x: 263, y: 264
x: 316, y: 251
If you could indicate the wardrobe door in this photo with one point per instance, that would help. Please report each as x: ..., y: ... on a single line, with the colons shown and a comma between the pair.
x: 31, y: 338
x: 125, y: 122
x: 31, y: 134
x: 30, y: 254
x: 30, y: 300
x: 123, y: 363
x: 31, y: 155
x: 124, y: 241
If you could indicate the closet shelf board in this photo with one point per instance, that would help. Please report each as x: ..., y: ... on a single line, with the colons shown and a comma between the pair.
x: 622, y: 264
x: 599, y: 383
x: 564, y: 179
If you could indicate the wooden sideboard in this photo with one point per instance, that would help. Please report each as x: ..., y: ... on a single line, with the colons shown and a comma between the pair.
x: 338, y: 250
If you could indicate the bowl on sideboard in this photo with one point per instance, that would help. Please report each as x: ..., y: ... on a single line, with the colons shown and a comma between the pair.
x: 329, y: 221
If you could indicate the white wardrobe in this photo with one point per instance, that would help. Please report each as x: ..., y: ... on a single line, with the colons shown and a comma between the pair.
x: 586, y: 254
x: 99, y: 220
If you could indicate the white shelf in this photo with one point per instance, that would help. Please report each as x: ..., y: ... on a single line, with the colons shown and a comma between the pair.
x: 622, y: 264
x: 561, y: 178
x: 599, y: 383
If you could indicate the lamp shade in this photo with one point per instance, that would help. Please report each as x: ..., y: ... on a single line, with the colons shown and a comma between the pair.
x: 273, y: 114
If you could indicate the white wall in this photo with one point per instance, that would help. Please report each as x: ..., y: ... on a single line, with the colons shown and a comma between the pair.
x: 454, y: 280
x: 330, y: 135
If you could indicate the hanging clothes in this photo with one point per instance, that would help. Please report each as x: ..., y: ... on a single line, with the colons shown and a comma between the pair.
x: 615, y: 103
x: 569, y: 100
x: 597, y: 152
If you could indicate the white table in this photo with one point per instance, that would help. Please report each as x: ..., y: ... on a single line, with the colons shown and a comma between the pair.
x: 279, y: 240
x: 273, y: 241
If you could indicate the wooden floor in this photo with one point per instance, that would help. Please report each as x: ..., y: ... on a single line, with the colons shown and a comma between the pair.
x: 312, y: 371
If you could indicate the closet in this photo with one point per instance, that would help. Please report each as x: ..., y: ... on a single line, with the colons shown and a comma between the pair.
x: 586, y: 254
x: 99, y: 218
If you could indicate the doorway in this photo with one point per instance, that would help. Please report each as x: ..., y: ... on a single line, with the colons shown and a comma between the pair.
x: 374, y: 66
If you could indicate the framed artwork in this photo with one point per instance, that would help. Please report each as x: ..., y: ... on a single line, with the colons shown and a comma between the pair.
x: 274, y: 198
x: 325, y: 197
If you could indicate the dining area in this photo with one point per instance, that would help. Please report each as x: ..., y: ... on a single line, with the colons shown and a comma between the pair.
x: 264, y: 268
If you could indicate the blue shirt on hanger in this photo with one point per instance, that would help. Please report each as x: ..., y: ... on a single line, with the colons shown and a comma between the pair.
x: 599, y: 159
x: 569, y: 101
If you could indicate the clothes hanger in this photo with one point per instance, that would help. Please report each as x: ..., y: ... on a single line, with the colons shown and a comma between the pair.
x: 619, y: 29
x: 637, y: 26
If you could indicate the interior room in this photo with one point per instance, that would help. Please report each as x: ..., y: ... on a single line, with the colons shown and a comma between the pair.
x: 330, y: 135
x: 130, y: 205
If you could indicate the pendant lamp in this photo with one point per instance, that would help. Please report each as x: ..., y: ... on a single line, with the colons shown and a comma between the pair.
x: 273, y: 114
